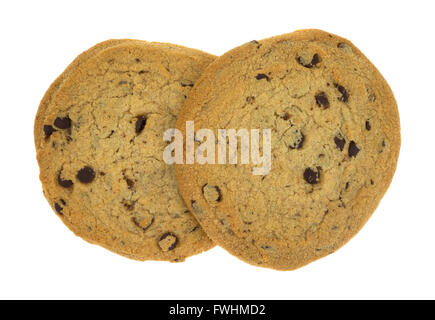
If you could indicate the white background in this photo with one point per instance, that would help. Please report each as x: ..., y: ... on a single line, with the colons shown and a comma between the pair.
x: 392, y: 257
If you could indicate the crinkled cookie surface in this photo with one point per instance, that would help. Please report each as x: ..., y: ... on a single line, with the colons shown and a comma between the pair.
x: 99, y: 140
x: 335, y: 144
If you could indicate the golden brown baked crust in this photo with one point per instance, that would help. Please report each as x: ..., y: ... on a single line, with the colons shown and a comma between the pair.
x: 335, y: 145
x: 98, y: 136
x: 39, y: 119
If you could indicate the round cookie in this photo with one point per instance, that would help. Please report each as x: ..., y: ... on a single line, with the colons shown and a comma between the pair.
x: 335, y: 140
x: 99, y: 141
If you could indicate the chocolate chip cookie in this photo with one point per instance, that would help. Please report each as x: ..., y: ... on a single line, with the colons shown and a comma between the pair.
x: 335, y: 140
x: 99, y: 141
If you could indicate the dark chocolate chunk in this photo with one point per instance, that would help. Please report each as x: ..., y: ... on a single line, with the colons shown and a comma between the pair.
x: 219, y: 198
x: 86, y: 175
x: 250, y: 99
x: 144, y: 223
x: 172, y: 238
x: 62, y: 123
x: 322, y: 100
x: 48, y: 130
x: 312, y: 176
x: 58, y: 208
x: 315, y: 60
x: 262, y: 76
x: 339, y: 142
x: 130, y: 183
x: 302, y: 62
x: 194, y: 229
x: 368, y: 125
x: 140, y: 123
x: 353, y: 149
x: 299, y: 142
x: 187, y: 84
x: 344, y: 95
x: 64, y: 183
x: 212, y: 193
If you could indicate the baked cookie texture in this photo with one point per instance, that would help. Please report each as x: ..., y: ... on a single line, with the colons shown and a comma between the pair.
x: 335, y: 144
x: 99, y: 141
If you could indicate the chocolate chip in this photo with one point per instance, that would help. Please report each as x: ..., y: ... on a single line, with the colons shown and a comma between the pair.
x: 299, y: 142
x: 315, y: 60
x: 368, y: 125
x: 86, y: 175
x: 371, y: 96
x: 322, y: 100
x: 129, y: 205
x: 353, y: 149
x: 228, y: 229
x: 194, y: 229
x: 312, y: 176
x: 303, y: 63
x: 345, y: 47
x: 58, y: 208
x: 339, y: 142
x: 382, y: 147
x: 130, y: 183
x: 347, y: 186
x: 262, y: 76
x: 64, y: 183
x: 187, y: 84
x: 344, y: 95
x: 250, y: 99
x: 168, y: 241
x: 212, y: 194
x: 143, y: 222
x: 48, y: 130
x: 286, y: 116
x: 140, y: 123
x: 342, y: 45
x: 62, y: 123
